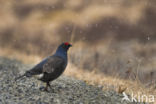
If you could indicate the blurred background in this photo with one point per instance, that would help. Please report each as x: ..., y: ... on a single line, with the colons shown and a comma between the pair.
x: 109, y: 37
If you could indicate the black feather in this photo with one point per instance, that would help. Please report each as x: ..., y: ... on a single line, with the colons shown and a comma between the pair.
x: 51, y: 67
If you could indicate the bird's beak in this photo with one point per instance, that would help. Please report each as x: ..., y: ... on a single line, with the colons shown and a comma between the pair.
x: 70, y: 45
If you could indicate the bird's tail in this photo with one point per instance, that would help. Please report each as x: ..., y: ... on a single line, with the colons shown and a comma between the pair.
x: 20, y: 77
x: 27, y: 74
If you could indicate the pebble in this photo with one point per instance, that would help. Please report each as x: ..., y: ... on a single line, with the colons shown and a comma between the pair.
x: 65, y: 90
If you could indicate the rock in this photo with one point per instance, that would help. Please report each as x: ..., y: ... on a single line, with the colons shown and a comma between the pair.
x: 65, y: 90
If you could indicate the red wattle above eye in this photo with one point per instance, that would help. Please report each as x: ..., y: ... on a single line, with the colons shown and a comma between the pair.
x: 66, y: 43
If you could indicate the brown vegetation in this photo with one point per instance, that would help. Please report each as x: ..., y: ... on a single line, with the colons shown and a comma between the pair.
x: 113, y: 38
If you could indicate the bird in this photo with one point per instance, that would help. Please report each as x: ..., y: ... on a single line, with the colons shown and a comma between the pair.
x: 51, y: 67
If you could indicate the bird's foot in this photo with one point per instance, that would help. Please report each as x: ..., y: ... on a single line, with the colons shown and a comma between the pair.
x: 43, y: 89
x: 46, y: 89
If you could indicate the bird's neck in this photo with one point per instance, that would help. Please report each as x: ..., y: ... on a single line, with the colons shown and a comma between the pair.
x: 61, y: 52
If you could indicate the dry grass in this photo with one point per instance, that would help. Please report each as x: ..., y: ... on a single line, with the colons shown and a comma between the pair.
x: 108, y: 82
x: 27, y: 59
x: 93, y: 77
x: 110, y: 38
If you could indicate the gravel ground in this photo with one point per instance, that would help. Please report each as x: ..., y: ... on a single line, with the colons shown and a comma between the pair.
x: 65, y: 90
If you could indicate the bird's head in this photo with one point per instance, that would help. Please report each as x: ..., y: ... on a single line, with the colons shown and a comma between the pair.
x: 65, y: 46
x: 62, y: 50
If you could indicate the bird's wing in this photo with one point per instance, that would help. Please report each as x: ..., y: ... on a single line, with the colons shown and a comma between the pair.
x: 38, y: 68
x: 53, y: 63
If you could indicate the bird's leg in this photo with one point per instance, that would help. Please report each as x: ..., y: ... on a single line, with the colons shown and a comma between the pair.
x: 48, y: 84
x: 46, y: 88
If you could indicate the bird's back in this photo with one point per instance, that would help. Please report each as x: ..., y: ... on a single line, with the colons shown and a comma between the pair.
x: 38, y: 69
